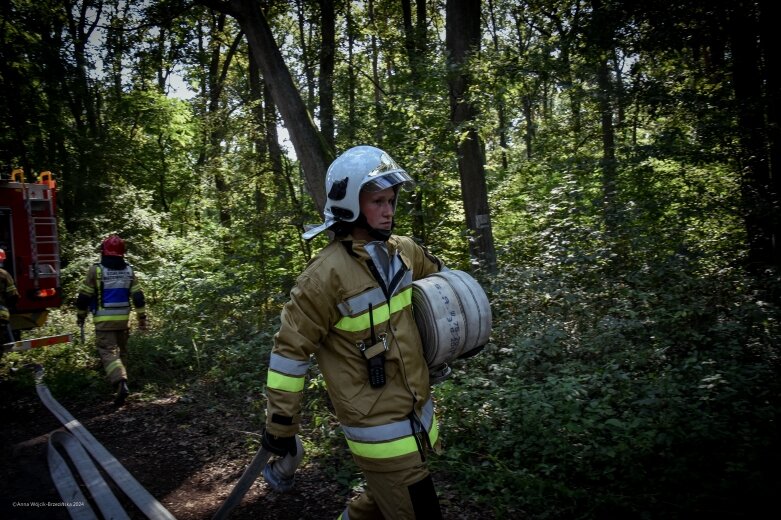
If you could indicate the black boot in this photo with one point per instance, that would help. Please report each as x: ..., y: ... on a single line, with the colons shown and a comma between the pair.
x: 122, y: 393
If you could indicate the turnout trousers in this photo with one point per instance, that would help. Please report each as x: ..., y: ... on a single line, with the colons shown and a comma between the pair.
x: 396, y: 495
x: 112, y: 348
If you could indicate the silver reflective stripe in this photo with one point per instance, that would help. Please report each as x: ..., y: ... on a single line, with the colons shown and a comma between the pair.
x: 389, y: 267
x: 387, y: 432
x: 291, y: 367
x: 378, y: 251
x: 405, y: 282
x: 117, y: 305
x: 113, y: 312
x: 428, y: 415
x: 360, y: 303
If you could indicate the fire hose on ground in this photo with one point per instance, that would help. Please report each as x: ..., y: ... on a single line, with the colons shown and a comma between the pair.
x: 79, y: 444
x: 84, y: 451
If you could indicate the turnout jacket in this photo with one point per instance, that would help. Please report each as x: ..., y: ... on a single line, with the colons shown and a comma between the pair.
x: 350, y: 292
x: 8, y: 294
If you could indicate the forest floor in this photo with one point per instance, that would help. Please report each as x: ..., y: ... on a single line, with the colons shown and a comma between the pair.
x: 187, y: 452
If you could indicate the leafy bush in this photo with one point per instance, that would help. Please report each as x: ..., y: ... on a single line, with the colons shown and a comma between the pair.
x: 649, y: 393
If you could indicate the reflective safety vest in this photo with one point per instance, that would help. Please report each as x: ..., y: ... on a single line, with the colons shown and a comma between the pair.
x: 113, y: 296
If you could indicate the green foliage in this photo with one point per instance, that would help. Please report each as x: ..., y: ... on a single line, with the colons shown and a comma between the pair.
x: 633, y: 369
x: 636, y: 393
x: 70, y: 368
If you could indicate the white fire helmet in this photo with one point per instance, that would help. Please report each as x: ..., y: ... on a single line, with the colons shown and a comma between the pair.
x: 359, y: 168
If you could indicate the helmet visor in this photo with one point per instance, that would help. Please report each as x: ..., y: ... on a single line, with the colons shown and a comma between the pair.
x: 388, y: 180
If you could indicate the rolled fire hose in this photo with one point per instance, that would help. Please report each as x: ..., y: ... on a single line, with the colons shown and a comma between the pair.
x: 453, y: 317
x: 79, y: 436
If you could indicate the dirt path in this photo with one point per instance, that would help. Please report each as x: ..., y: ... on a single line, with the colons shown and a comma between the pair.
x: 187, y: 454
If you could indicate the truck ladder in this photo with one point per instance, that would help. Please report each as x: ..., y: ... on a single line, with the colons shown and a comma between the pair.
x: 44, y: 250
x: 28, y: 206
x: 46, y: 246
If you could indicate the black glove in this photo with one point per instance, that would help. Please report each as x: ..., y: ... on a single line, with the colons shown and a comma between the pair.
x: 279, y: 445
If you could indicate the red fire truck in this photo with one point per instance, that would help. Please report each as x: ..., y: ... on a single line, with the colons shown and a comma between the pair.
x: 28, y: 235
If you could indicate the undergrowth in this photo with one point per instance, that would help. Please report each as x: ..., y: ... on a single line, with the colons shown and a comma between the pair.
x: 610, y: 388
x: 649, y: 394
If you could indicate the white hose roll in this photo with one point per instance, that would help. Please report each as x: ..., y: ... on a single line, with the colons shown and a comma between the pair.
x: 452, y: 314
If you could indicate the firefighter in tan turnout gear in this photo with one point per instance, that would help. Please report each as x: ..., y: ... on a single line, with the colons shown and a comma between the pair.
x: 107, y: 291
x: 9, y: 295
x: 351, y: 309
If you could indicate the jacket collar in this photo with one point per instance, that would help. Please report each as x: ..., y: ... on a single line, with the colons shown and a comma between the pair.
x: 355, y: 248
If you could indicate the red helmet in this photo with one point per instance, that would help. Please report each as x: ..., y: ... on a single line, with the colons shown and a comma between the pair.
x: 2, y: 255
x: 113, y: 246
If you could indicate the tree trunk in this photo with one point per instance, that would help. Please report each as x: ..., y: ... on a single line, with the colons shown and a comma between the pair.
x: 311, y: 150
x: 378, y: 134
x: 463, y: 37
x: 528, y: 116
x: 415, y: 45
x: 769, y: 40
x: 326, y: 80
x: 501, y: 109
x: 81, y: 30
x: 256, y: 96
x: 608, y: 161
x: 601, y: 42
x: 217, y: 72
x: 352, y: 80
x: 757, y: 185
x: 306, y: 60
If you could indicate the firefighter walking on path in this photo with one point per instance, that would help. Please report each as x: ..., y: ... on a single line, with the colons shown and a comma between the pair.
x: 9, y: 295
x: 351, y: 309
x: 108, y: 291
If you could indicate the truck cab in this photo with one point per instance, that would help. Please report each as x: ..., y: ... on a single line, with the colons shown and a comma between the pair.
x: 28, y: 234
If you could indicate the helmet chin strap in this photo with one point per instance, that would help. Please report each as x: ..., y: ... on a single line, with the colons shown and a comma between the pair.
x: 378, y: 234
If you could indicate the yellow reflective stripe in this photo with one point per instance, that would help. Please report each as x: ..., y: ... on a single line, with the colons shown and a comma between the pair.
x: 98, y: 280
x: 401, y: 300
x: 86, y: 289
x: 380, y: 314
x: 384, y: 450
x: 114, y: 365
x: 362, y: 322
x: 433, y: 435
x: 279, y: 381
x: 111, y: 317
x: 395, y: 448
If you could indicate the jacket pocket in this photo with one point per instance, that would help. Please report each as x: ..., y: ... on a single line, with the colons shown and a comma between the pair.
x: 364, y: 400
